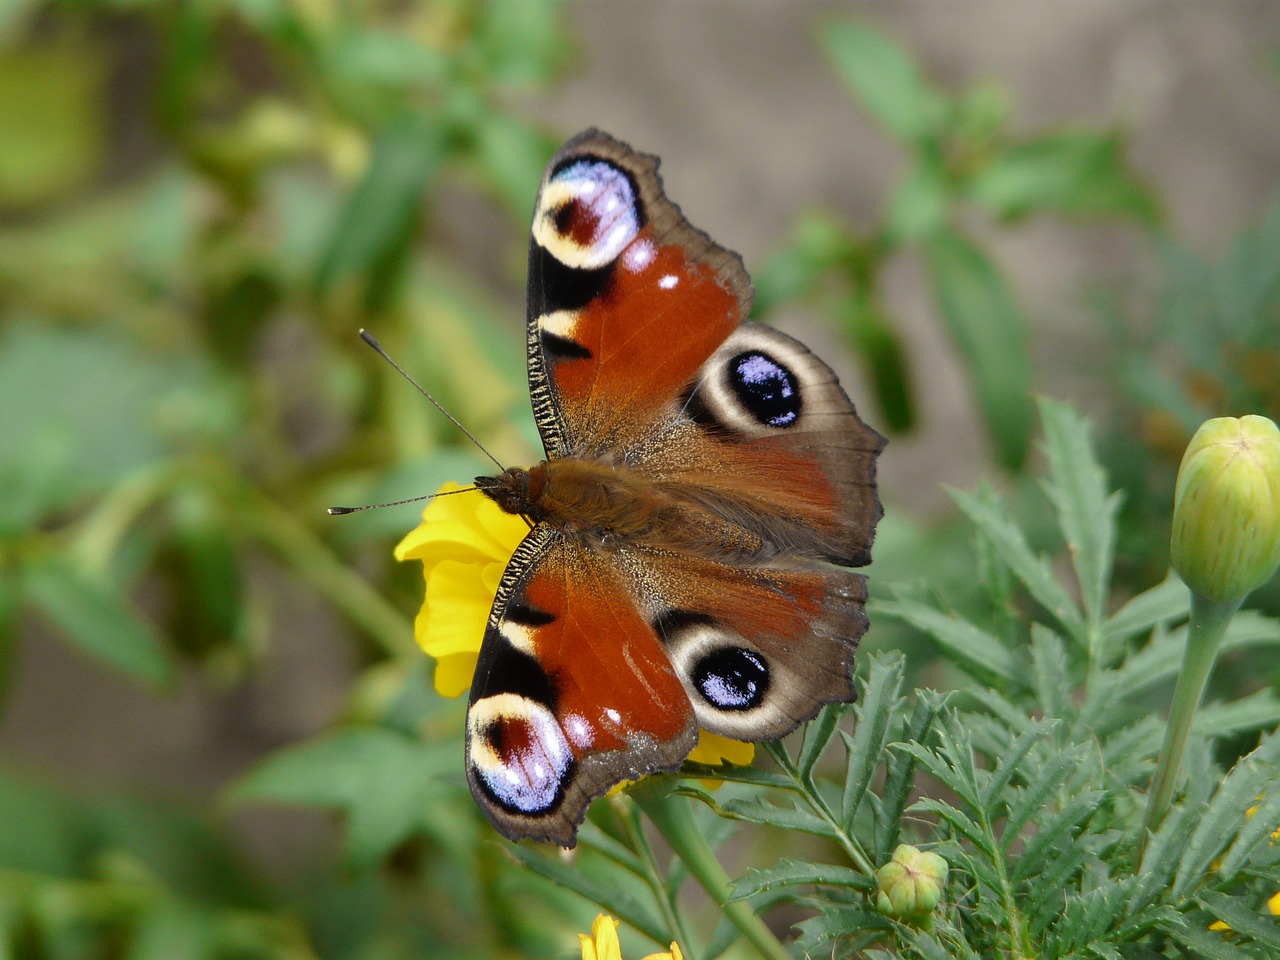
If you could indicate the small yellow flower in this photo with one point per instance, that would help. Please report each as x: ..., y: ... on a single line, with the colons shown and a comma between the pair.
x: 464, y: 543
x: 602, y: 944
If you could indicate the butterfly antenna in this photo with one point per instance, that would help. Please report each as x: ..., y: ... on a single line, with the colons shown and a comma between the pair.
x: 340, y: 511
x: 367, y: 337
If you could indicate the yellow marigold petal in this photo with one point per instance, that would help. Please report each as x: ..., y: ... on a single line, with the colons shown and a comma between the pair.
x: 1219, y: 925
x: 603, y: 942
x: 713, y: 749
x: 1273, y: 905
x: 453, y: 674
x: 672, y: 954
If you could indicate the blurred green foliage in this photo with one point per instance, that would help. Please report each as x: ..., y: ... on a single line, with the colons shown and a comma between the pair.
x: 200, y: 203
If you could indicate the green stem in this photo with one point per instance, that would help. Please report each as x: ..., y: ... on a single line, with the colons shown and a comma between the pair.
x: 632, y: 824
x: 1205, y: 630
x: 674, y: 820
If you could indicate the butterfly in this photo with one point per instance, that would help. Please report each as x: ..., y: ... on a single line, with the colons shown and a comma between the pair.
x: 707, y: 485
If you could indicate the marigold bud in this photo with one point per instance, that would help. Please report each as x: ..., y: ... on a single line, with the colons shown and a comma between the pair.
x: 910, y: 885
x: 1226, y: 508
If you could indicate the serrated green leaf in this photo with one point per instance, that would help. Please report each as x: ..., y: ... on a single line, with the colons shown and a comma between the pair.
x: 385, y: 783
x: 1258, y: 927
x: 1217, y: 822
x: 608, y: 896
x: 1007, y: 764
x: 880, y: 698
x: 1166, y: 602
x: 1077, y: 486
x: 990, y: 331
x: 973, y: 648
x: 960, y: 822
x: 789, y: 873
x: 1047, y: 781
x: 1051, y: 670
x: 96, y: 617
x: 788, y: 818
x: 900, y: 774
x: 1034, y: 571
x: 817, y: 734
x: 1160, y: 858
x: 1258, y: 711
x: 1260, y: 824
x: 1052, y: 831
x: 837, y: 923
x: 1205, y: 944
x: 884, y: 78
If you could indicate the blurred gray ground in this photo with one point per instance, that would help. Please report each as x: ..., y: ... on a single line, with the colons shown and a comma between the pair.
x: 754, y: 128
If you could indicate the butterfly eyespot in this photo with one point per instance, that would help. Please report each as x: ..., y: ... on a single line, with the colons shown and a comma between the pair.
x: 588, y: 214
x: 519, y: 753
x: 765, y: 388
x: 732, y: 678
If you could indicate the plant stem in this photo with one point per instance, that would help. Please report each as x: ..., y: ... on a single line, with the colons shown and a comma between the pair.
x: 1205, y: 630
x: 674, y: 820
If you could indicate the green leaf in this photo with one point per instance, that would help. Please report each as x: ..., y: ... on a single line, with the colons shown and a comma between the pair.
x: 607, y: 895
x: 1166, y: 602
x: 1258, y: 927
x: 385, y: 783
x: 899, y: 775
x: 1077, y: 486
x: 376, y: 224
x: 790, y: 873
x: 919, y: 205
x: 1007, y: 765
x: 1034, y: 571
x: 1205, y: 944
x: 1049, y: 780
x: 977, y: 651
x: 1258, y: 711
x: 1073, y: 172
x: 1051, y: 670
x: 1053, y: 831
x: 1254, y: 830
x: 871, y: 333
x: 817, y: 734
x: 756, y: 810
x: 96, y: 617
x: 881, y: 698
x: 884, y: 78
x: 838, y: 923
x: 991, y: 333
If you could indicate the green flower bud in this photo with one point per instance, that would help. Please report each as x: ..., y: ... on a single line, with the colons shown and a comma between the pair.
x: 1226, y: 508
x: 910, y: 885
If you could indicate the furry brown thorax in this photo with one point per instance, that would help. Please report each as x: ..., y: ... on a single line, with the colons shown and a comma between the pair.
x: 609, y: 505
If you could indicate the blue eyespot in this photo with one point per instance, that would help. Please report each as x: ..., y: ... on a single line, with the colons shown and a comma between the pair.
x: 732, y: 678
x: 766, y: 389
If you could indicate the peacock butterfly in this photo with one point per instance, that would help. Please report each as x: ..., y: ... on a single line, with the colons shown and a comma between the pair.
x: 707, y: 482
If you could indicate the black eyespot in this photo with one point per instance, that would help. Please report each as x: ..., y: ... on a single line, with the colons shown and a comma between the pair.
x: 766, y: 389
x: 732, y: 678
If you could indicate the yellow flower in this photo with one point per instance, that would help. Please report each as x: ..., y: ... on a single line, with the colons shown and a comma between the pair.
x: 464, y: 543
x: 603, y: 943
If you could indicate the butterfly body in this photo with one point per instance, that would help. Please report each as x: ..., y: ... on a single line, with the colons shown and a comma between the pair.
x: 706, y: 487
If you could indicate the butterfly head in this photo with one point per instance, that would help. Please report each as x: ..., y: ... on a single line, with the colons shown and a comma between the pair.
x: 516, y: 490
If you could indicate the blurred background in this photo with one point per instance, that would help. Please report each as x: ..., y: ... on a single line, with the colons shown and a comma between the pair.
x: 958, y: 206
